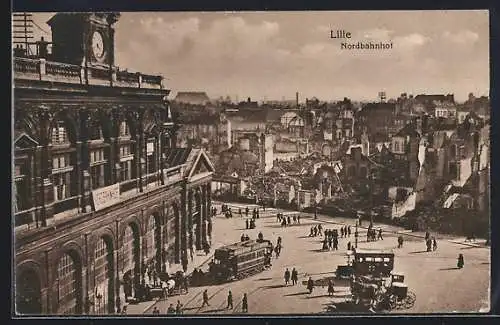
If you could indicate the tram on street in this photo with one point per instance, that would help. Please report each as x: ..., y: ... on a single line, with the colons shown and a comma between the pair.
x: 240, y: 260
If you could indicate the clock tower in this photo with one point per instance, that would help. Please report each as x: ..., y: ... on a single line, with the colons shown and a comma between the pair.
x: 83, y: 38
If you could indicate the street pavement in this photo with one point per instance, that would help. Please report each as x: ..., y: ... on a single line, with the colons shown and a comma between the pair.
x: 438, y: 285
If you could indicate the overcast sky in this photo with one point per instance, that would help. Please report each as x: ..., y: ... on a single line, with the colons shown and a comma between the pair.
x: 274, y: 54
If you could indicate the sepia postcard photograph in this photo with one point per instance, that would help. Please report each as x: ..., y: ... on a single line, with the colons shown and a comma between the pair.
x: 250, y: 163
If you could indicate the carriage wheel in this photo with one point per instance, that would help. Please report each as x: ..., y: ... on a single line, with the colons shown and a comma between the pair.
x: 410, y: 300
x: 393, y: 302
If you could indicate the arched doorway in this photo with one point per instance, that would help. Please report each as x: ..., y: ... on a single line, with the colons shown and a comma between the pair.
x: 104, y: 293
x: 69, y: 284
x: 28, y: 293
x: 131, y: 260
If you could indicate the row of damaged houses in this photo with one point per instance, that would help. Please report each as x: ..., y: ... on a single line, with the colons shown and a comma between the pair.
x: 398, y: 155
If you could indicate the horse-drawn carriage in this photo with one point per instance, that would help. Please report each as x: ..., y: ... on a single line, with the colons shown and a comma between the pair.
x: 375, y: 285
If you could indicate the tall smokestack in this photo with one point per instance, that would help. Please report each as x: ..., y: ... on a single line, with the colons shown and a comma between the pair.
x: 297, y: 99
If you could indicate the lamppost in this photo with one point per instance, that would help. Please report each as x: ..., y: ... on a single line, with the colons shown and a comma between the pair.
x: 356, y: 234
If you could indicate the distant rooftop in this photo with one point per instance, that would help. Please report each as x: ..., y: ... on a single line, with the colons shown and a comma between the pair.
x: 192, y: 97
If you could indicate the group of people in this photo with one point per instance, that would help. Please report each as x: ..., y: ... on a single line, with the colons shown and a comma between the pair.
x: 171, y: 309
x: 430, y: 242
x: 331, y: 240
x: 294, y: 276
x: 250, y: 224
x: 316, y: 230
x: 345, y: 231
x: 373, y: 235
x: 244, y: 301
x: 287, y: 220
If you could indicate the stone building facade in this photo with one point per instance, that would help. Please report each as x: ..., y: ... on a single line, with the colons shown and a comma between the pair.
x: 99, y: 191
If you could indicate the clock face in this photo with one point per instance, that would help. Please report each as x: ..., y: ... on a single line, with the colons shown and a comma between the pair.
x: 97, y: 45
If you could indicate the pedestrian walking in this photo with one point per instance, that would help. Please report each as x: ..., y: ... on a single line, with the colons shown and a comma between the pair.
x: 287, y: 277
x: 298, y: 219
x: 178, y: 308
x: 289, y: 220
x: 278, y: 218
x: 460, y: 261
x: 246, y: 224
x: 244, y: 303
x: 400, y: 241
x: 295, y: 276
x: 241, y: 213
x: 331, y: 288
x: 310, y: 285
x: 156, y: 311
x: 349, y: 246
x: 229, y: 300
x: 434, y: 244
x: 205, y: 299
x: 349, y: 231
x: 380, y: 234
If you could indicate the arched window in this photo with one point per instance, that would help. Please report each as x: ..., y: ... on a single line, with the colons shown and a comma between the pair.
x: 124, y: 131
x: 103, y: 273
x: 150, y: 238
x: 67, y: 285
x: 59, y: 133
x: 128, y: 249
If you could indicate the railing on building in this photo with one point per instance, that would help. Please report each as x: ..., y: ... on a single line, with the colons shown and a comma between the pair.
x: 40, y: 69
x: 128, y: 189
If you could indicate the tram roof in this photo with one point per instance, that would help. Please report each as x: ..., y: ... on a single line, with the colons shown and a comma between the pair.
x: 246, y: 244
x: 373, y: 251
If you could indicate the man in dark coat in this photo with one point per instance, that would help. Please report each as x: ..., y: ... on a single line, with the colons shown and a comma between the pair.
x: 205, y: 299
x: 295, y: 276
x: 310, y: 285
x: 244, y: 304
x: 287, y: 277
x: 229, y: 300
